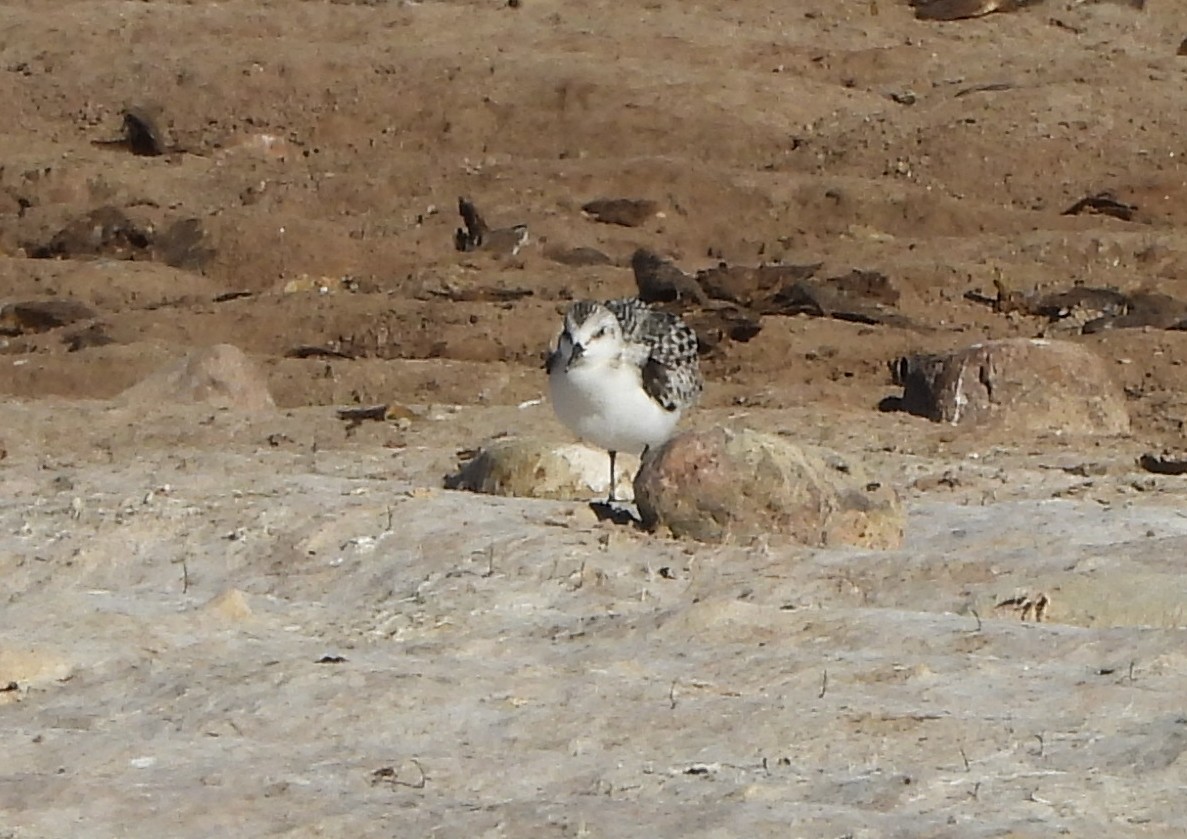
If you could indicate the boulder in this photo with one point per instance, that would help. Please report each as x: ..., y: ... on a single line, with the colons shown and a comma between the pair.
x: 539, y: 469
x: 725, y: 485
x: 221, y: 376
x: 1025, y: 384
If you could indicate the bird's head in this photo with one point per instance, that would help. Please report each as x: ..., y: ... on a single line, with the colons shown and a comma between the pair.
x: 592, y: 334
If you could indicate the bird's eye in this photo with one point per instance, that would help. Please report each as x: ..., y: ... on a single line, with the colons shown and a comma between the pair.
x: 601, y: 333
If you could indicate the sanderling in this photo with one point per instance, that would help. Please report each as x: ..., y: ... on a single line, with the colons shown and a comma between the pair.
x: 622, y: 374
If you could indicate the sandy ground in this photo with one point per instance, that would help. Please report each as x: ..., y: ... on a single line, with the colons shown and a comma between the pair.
x: 276, y: 625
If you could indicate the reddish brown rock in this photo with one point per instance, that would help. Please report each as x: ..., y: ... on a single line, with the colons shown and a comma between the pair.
x: 1026, y: 384
x: 725, y: 485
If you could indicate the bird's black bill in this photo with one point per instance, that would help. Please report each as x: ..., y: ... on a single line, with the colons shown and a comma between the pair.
x: 575, y: 355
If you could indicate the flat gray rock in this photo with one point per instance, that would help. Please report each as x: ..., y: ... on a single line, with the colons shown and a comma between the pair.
x: 207, y: 630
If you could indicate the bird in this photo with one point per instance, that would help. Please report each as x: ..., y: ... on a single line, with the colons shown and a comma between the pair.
x: 622, y: 374
x: 477, y: 235
x: 961, y: 9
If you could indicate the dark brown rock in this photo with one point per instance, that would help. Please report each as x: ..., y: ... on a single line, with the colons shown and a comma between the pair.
x: 725, y: 485
x: 576, y: 257
x: 626, y: 212
x: 1028, y: 384
x: 1143, y: 308
x: 93, y: 335
x: 42, y: 315
x: 751, y: 285
x: 1164, y: 462
x: 105, y: 231
x: 184, y: 244
x: 659, y: 280
x: 859, y: 297
x: 142, y: 132
x: 1089, y: 309
x: 720, y: 323
x: 1105, y: 204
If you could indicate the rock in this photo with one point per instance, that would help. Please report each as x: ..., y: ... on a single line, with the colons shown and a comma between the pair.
x: 221, y: 376
x: 858, y: 297
x: 721, y: 322
x: 184, y: 244
x: 142, y: 131
x: 105, y: 231
x: 749, y: 285
x: 42, y: 315
x: 576, y: 257
x: 724, y: 485
x: 111, y: 232
x: 627, y: 212
x: 1089, y: 309
x: 94, y: 335
x: 1165, y: 462
x: 1029, y: 384
x: 533, y: 469
x: 231, y: 606
x: 659, y: 280
x: 1103, y: 203
x: 31, y: 666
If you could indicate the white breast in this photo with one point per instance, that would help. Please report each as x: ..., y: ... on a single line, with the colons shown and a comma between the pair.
x: 606, y: 405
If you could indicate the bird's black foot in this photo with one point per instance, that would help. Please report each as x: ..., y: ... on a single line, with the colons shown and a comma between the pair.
x: 615, y: 513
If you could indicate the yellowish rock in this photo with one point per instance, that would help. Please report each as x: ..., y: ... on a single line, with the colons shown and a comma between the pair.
x: 231, y: 606
x: 539, y: 469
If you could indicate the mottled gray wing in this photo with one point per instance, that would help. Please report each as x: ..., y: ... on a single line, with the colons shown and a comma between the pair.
x: 672, y: 388
x: 671, y: 372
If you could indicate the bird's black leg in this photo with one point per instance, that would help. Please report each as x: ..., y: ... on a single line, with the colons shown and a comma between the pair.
x: 643, y: 458
x: 612, y: 499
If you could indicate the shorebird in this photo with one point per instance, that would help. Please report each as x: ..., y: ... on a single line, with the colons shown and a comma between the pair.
x: 622, y: 374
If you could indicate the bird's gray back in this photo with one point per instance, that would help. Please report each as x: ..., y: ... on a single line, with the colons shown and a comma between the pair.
x: 660, y: 343
x: 670, y: 369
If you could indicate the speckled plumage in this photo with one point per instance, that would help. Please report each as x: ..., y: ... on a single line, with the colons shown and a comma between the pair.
x: 659, y: 343
x: 622, y: 375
